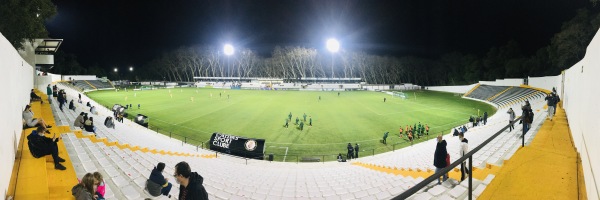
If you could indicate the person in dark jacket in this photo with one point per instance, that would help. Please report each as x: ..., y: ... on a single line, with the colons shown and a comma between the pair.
x: 350, y: 152
x: 61, y: 99
x: 40, y: 145
x: 71, y: 105
x: 190, y: 183
x: 35, y: 97
x: 157, y: 184
x: 527, y: 117
x: 439, y: 159
x: 485, y: 115
x: 356, y: 151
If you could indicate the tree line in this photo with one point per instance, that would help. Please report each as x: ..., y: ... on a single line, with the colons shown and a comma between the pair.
x: 455, y: 68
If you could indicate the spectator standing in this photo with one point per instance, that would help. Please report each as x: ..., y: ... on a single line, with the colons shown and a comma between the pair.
x: 49, y: 92
x: 356, y: 151
x: 511, y: 119
x: 485, y: 116
x: 350, y: 151
x: 439, y: 158
x: 385, y: 135
x: 464, y: 148
x: 190, y: 183
x: 551, y: 102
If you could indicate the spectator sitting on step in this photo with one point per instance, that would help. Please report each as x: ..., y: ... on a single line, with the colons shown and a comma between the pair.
x: 35, y: 97
x: 190, y: 183
x: 99, y: 181
x: 109, y: 123
x: 84, y: 189
x: 88, y: 125
x: 88, y: 104
x: 93, y: 110
x: 340, y: 158
x: 32, y: 122
x: 157, y: 184
x: 71, y: 105
x: 79, y: 120
x: 40, y: 145
x: 456, y: 132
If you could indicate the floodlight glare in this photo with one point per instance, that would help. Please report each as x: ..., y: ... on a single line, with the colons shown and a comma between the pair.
x: 333, y: 45
x: 130, y: 69
x: 228, y: 49
x: 116, y: 70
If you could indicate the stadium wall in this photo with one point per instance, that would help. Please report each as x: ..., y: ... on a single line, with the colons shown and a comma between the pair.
x: 41, y: 82
x: 17, y: 79
x: 453, y: 89
x: 546, y: 82
x: 79, y: 77
x: 580, y: 100
x: 504, y: 82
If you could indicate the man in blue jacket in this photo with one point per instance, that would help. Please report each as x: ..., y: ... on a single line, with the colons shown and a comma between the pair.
x: 157, y: 184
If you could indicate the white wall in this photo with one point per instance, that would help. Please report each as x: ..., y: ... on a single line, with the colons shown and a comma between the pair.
x: 17, y: 80
x: 546, y: 82
x: 79, y: 77
x: 504, y: 82
x: 580, y: 100
x: 454, y: 89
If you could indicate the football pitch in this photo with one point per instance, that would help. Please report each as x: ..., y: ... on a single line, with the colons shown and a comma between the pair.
x: 362, y: 117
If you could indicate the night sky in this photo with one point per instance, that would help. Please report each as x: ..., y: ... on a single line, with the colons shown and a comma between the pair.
x: 125, y: 32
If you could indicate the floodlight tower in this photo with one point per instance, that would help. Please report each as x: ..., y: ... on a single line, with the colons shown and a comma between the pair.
x: 228, y: 50
x: 333, y: 46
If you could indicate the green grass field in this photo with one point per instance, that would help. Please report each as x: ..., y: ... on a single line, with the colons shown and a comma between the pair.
x: 353, y: 117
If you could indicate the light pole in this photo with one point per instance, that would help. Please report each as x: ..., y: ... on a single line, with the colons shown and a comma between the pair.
x: 116, y: 70
x: 333, y: 46
x: 131, y: 76
x: 228, y: 50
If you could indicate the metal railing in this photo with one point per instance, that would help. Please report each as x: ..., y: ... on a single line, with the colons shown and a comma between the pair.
x: 406, y: 194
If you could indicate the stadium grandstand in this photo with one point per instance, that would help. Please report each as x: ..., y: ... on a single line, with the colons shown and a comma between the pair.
x: 553, y: 160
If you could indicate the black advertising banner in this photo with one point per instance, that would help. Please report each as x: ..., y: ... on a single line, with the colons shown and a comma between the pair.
x: 238, y: 146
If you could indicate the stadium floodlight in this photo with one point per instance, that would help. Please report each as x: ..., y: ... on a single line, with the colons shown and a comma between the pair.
x: 116, y: 70
x: 333, y: 45
x: 228, y: 49
x: 130, y: 69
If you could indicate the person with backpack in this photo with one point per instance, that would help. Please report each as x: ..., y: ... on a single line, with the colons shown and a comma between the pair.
x: 527, y: 117
x: 40, y: 145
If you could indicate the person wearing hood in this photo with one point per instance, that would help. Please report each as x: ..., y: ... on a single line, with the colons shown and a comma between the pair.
x: 71, y: 105
x: 190, y: 183
x: 464, y: 149
x: 85, y: 189
x: 439, y: 158
x: 40, y: 146
x: 109, y: 122
x: 79, y: 120
x: 157, y: 184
